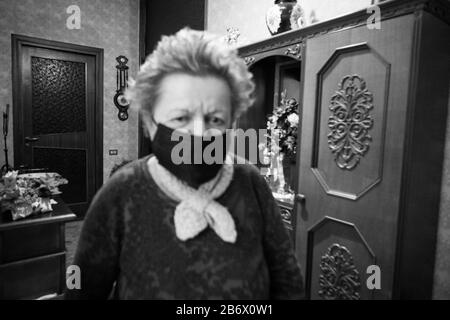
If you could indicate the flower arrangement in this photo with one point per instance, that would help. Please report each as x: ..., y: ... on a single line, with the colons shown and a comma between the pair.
x: 24, y: 195
x: 280, y: 148
x: 285, y: 120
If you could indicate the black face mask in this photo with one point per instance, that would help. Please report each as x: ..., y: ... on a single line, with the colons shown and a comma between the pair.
x: 194, y: 170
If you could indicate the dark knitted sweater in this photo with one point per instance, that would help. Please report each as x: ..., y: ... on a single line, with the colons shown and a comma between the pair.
x: 128, y: 238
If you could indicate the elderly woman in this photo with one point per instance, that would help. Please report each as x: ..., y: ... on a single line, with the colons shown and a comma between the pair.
x: 162, y: 230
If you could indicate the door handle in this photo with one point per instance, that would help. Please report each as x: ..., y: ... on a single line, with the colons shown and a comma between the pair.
x: 28, y: 140
x: 300, y: 198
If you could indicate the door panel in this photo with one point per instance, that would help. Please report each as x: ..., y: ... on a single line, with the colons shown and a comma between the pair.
x: 354, y: 106
x: 58, y: 96
x: 340, y: 267
x: 70, y: 161
x: 346, y: 118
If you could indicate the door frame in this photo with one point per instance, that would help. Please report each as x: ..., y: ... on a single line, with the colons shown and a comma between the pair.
x: 17, y: 43
x: 143, y: 140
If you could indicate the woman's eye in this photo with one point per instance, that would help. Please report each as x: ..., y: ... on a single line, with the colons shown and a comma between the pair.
x: 216, y: 121
x: 181, y: 118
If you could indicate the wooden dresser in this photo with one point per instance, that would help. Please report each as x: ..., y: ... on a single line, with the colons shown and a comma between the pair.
x: 33, y: 254
x: 373, y: 110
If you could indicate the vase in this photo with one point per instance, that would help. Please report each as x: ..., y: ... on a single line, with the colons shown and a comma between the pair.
x: 288, y: 163
x: 284, y: 15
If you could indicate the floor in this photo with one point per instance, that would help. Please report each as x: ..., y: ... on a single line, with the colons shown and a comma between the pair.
x: 72, y: 233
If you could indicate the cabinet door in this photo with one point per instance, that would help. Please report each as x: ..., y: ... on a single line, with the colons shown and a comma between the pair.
x: 354, y: 115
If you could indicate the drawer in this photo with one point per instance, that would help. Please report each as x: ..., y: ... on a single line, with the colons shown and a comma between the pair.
x: 31, y: 241
x: 33, y: 278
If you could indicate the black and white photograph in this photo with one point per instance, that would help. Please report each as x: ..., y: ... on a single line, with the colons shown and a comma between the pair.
x: 232, y: 151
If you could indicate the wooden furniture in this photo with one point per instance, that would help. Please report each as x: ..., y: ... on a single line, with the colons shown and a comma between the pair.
x: 374, y: 113
x: 32, y: 254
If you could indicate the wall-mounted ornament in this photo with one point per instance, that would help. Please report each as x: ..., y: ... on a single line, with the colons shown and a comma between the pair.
x: 122, y: 82
x: 284, y: 15
x: 6, y: 167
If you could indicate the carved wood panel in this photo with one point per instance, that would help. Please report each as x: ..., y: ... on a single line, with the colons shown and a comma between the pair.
x: 350, y: 121
x: 338, y: 256
x: 293, y: 51
x: 339, y: 278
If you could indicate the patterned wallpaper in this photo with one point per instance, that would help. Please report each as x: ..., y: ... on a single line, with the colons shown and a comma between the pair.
x: 109, y: 24
x: 249, y: 18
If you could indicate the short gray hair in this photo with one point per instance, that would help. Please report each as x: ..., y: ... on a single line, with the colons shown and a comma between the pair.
x: 197, y: 53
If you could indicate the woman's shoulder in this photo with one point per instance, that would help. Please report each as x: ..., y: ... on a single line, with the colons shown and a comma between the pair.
x: 124, y: 177
x: 244, y: 169
x: 248, y: 177
x: 247, y: 170
x: 129, y: 169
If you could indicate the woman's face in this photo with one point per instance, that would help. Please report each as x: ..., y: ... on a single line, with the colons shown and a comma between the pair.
x: 193, y: 104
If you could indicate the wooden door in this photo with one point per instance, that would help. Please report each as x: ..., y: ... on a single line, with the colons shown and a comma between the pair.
x: 56, y: 117
x: 354, y: 114
x: 158, y: 18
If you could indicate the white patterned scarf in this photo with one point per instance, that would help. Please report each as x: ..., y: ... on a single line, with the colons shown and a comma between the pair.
x: 197, y: 209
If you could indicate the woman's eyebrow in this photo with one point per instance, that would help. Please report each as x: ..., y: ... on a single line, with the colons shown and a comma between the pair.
x: 215, y: 110
x: 178, y: 110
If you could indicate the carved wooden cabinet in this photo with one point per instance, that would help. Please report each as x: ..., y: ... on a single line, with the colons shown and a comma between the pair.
x: 371, y: 147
